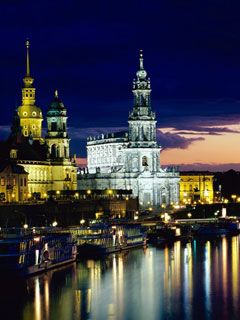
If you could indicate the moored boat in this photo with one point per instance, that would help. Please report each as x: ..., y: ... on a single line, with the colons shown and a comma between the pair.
x: 218, y: 228
x: 105, y: 239
x: 27, y: 253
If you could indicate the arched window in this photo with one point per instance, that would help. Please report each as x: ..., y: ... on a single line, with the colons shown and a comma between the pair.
x: 54, y: 126
x: 53, y: 151
x: 144, y: 161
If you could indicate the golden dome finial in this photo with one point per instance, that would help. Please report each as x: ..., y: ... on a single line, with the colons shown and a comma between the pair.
x: 56, y: 93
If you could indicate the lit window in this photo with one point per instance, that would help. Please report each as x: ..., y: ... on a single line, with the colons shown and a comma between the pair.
x: 144, y: 161
x: 33, y: 126
x: 2, y: 181
x: 25, y: 133
x: 25, y: 113
x: 34, y: 114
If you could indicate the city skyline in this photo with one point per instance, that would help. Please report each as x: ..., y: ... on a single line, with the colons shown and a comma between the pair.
x: 91, y: 57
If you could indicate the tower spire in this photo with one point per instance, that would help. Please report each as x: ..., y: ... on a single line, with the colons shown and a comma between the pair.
x: 141, y: 60
x: 27, y: 60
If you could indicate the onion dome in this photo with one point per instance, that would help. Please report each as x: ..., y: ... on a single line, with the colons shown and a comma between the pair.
x: 56, y: 107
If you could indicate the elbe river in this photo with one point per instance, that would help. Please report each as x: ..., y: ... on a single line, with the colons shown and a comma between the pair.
x: 197, y: 280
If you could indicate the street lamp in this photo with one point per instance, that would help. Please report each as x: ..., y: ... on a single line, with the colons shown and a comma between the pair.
x: 25, y: 226
x: 54, y: 224
x: 82, y: 221
x: 189, y: 215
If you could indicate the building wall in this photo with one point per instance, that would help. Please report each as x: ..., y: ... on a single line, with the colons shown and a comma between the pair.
x: 31, y: 126
x: 151, y: 190
x: 105, y: 155
x: 196, y: 188
x: 64, y: 176
x: 46, y: 176
x: 13, y: 186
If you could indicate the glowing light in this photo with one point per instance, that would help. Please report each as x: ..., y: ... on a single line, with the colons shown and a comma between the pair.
x: 189, y: 215
x: 110, y: 192
x: 89, y: 191
x: 25, y: 226
x: 82, y: 221
x: 54, y: 224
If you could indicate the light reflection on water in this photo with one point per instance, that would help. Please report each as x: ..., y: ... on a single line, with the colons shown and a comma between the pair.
x: 198, y: 280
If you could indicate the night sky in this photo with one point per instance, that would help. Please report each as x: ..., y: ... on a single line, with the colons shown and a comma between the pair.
x: 88, y: 50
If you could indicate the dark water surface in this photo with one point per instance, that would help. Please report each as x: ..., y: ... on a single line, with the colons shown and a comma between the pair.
x: 198, y: 280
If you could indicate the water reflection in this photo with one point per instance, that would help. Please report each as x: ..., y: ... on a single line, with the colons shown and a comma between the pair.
x: 198, y: 280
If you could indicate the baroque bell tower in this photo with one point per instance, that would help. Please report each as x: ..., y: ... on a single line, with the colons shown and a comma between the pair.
x: 30, y: 115
x: 142, y: 121
x: 143, y: 152
x: 57, y: 137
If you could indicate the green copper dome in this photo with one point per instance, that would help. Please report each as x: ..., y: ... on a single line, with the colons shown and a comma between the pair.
x: 56, y: 107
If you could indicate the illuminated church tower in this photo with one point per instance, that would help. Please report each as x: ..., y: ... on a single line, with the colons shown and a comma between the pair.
x: 131, y: 160
x: 143, y: 152
x: 30, y: 115
x: 142, y: 121
x: 57, y: 137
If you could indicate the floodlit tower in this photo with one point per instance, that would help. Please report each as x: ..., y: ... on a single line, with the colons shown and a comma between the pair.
x: 57, y: 137
x: 30, y: 115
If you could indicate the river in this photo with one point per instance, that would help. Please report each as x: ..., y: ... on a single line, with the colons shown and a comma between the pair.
x: 198, y: 280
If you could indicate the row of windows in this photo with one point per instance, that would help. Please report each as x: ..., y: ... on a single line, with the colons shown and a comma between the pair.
x: 33, y: 127
x: 194, y: 188
x: 3, y: 182
x: 34, y: 113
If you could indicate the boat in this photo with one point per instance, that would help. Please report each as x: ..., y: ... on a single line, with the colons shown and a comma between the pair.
x: 28, y: 252
x: 219, y: 228
x: 162, y: 234
x: 102, y: 239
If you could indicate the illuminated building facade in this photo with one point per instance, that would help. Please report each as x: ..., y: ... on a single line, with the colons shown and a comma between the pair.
x: 45, y: 160
x: 131, y: 160
x: 30, y: 115
x: 13, y: 182
x: 196, y: 187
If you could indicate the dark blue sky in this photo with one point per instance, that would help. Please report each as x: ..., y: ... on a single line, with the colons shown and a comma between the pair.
x: 88, y: 50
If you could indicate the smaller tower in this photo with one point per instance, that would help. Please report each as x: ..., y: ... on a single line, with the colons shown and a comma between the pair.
x: 57, y: 138
x: 30, y: 115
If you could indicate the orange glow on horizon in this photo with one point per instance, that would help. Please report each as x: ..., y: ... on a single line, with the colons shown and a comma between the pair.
x: 214, y: 149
